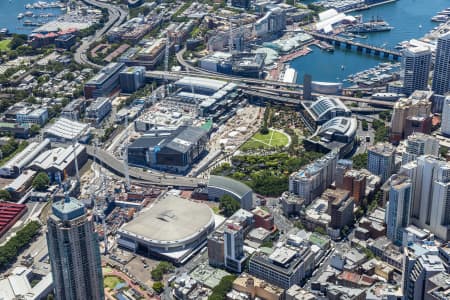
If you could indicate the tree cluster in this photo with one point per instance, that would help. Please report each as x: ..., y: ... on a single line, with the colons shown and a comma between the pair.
x: 221, y: 290
x: 267, y: 175
x: 161, y: 269
x: 158, y: 287
x: 266, y: 121
x: 5, y: 195
x: 228, y: 205
x: 12, y: 248
x: 360, y: 161
x: 41, y: 181
x: 381, y: 131
x: 11, y: 148
x: 364, y: 125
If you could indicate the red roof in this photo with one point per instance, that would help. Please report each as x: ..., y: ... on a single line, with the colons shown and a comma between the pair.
x: 9, y: 213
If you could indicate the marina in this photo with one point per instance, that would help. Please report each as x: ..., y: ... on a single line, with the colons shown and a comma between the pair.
x: 375, y: 76
x: 374, y: 25
x: 414, y: 24
x: 22, y: 16
x: 442, y: 16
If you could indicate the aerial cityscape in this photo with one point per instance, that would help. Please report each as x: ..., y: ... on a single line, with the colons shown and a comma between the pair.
x: 235, y: 150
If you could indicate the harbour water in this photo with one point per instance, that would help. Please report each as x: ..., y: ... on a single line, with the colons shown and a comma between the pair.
x: 9, y: 9
x: 410, y: 19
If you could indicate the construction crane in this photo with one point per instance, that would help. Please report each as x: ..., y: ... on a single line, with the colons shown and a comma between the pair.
x: 74, y: 142
x: 166, y: 61
x: 125, y: 157
x: 99, y: 212
x: 230, y: 42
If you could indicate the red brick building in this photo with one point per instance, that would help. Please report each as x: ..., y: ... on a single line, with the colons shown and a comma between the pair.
x: 263, y: 219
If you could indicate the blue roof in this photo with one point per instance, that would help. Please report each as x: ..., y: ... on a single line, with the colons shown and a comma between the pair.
x: 68, y: 209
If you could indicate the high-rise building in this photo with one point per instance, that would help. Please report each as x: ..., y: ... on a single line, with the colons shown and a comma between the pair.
x: 412, y: 114
x: 399, y: 206
x: 431, y: 195
x: 416, y: 62
x: 312, y: 180
x: 445, y: 120
x: 74, y: 252
x: 104, y: 82
x: 285, y: 267
x: 437, y: 286
x: 441, y: 73
x: 307, y: 81
x: 340, y: 208
x: 342, y: 166
x: 381, y: 160
x: 131, y: 79
x: 245, y: 4
x: 216, y: 241
x: 272, y: 23
x: 234, y: 247
x: 355, y: 182
x: 419, y: 144
x: 417, y: 271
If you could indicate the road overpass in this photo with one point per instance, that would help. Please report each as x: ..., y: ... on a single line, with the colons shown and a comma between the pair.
x: 293, y: 97
x: 279, y: 88
x: 116, y: 166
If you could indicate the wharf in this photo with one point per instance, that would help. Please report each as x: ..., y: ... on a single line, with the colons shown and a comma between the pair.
x: 293, y: 55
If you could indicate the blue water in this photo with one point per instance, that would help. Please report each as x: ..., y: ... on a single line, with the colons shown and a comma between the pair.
x: 10, y: 9
x: 404, y: 15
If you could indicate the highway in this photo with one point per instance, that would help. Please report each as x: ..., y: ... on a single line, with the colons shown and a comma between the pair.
x: 141, y: 176
x: 261, y: 89
x: 298, y: 94
x: 238, y: 79
x: 116, y: 17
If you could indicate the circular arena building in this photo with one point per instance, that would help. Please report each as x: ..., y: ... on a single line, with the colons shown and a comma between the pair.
x: 172, y: 229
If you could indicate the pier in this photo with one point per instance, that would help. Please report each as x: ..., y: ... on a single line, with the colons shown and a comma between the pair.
x: 360, y: 47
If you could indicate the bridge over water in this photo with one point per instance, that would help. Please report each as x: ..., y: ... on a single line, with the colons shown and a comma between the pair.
x: 360, y: 47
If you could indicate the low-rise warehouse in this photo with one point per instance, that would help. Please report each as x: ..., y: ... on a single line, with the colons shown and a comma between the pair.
x: 59, y: 162
x: 65, y: 130
x: 16, y: 165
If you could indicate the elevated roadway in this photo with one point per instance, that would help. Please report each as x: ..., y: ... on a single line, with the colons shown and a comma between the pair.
x: 285, y: 93
x: 116, y: 16
x: 199, y: 72
x: 116, y: 166
x: 277, y: 88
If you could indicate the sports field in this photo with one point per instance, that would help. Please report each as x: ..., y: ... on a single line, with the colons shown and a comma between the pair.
x: 4, y: 45
x: 272, y: 139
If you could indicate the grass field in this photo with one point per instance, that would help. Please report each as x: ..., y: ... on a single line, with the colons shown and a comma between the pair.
x: 4, y: 45
x: 111, y: 281
x: 270, y: 140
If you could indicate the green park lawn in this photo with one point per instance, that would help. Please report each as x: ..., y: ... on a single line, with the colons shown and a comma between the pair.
x: 4, y: 45
x: 111, y: 281
x: 270, y: 140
